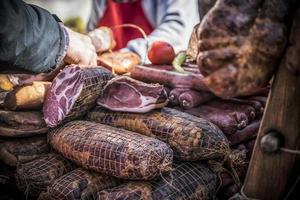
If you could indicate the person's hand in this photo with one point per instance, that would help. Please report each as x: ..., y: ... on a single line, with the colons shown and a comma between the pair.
x: 81, y: 51
x: 102, y: 39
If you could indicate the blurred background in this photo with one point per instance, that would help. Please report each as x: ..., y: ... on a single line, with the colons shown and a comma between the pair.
x: 74, y: 13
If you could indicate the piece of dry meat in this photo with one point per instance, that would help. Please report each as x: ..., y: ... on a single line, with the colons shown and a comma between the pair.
x: 129, y: 95
x: 240, y: 43
x: 73, y: 92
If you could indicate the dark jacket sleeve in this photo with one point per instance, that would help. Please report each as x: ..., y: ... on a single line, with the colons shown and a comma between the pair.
x: 30, y: 37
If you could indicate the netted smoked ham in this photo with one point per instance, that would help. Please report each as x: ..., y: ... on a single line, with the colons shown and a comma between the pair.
x: 79, y: 184
x: 186, y: 181
x: 119, y: 62
x: 191, y: 138
x: 240, y: 43
x: 21, y: 124
x: 73, y: 92
x: 129, y: 95
x: 34, y: 177
x: 112, y: 151
x: 27, y: 96
x: 17, y: 151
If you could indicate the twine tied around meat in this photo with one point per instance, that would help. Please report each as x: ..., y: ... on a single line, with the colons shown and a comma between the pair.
x: 143, y: 33
x: 167, y: 182
x: 228, y: 164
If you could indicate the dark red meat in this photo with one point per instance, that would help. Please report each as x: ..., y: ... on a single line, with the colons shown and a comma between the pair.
x: 73, y: 92
x: 229, y: 121
x: 240, y: 43
x: 160, y: 67
x: 129, y: 95
x: 249, y: 111
x: 174, y: 95
x: 192, y: 98
x: 245, y: 134
x: 188, y: 67
x: 168, y: 78
x: 257, y: 105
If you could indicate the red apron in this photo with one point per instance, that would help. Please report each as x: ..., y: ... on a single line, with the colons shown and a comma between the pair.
x: 125, y: 13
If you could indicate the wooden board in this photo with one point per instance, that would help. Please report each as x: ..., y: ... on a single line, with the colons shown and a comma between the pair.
x: 268, y: 175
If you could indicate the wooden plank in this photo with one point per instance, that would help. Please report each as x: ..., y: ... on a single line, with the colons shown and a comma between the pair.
x: 269, y: 174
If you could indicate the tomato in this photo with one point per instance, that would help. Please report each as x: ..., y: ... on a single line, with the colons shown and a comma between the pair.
x: 161, y: 53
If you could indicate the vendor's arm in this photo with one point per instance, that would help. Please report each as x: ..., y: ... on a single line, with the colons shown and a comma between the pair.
x: 31, y: 38
x: 175, y: 20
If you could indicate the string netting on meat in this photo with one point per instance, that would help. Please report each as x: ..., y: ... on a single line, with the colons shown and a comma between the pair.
x: 111, y: 150
x: 93, y: 82
x: 186, y: 181
x: 80, y: 184
x: 35, y: 176
x: 191, y: 138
